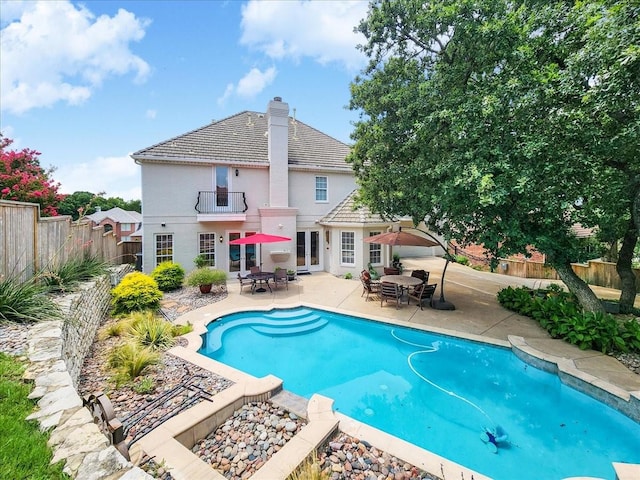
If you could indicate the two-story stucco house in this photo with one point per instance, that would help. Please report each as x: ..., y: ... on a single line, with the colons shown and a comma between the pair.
x: 255, y: 172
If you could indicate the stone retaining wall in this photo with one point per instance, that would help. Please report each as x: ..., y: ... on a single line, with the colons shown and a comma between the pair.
x: 56, y: 352
x: 84, y: 311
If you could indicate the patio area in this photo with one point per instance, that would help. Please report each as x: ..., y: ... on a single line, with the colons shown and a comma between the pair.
x: 477, y: 316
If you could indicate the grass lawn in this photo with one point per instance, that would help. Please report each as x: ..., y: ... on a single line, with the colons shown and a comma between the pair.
x: 24, y: 453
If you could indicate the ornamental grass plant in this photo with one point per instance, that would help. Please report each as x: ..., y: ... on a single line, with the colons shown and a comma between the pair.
x: 69, y: 274
x: 26, y: 301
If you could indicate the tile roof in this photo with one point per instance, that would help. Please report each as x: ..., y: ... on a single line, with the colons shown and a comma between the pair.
x: 116, y: 214
x: 242, y: 138
x: 345, y: 213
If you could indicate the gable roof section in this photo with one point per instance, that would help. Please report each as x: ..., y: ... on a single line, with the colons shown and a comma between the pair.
x: 344, y: 213
x: 116, y: 214
x: 242, y: 138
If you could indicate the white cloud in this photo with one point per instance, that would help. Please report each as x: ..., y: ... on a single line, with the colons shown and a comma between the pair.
x: 321, y: 30
x: 254, y: 82
x: 113, y: 176
x: 151, y: 114
x: 56, y: 51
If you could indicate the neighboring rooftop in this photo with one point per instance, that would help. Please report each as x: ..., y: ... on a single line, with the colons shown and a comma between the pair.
x: 116, y: 214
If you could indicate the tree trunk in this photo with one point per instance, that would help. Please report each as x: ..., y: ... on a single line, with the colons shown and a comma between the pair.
x: 625, y: 269
x: 587, y: 299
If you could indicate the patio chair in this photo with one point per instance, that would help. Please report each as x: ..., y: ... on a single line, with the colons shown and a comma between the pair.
x: 390, y: 291
x: 391, y: 271
x: 422, y: 275
x: 280, y: 277
x: 255, y: 269
x: 369, y: 286
x: 421, y: 293
x: 246, y: 282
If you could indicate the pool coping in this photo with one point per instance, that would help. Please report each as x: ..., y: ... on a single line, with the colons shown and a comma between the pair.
x: 172, y: 441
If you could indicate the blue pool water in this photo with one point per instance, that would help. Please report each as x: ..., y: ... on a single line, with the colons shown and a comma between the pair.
x: 437, y: 392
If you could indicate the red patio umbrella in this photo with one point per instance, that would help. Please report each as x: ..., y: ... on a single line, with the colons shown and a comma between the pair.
x: 259, y: 238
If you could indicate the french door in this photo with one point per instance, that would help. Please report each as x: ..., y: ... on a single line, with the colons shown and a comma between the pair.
x: 242, y: 257
x: 308, y: 251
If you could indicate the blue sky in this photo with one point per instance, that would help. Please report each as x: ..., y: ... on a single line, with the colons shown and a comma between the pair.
x: 89, y: 83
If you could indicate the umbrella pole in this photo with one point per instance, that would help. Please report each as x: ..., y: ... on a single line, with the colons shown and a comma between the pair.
x: 441, y: 303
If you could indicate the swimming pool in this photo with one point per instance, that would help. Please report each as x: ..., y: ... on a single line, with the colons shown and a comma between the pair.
x: 438, y: 392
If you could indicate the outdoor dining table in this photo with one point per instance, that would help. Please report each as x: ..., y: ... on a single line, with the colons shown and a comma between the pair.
x: 404, y: 281
x: 262, y: 277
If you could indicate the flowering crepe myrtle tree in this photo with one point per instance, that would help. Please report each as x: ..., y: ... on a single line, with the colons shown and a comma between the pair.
x: 23, y: 179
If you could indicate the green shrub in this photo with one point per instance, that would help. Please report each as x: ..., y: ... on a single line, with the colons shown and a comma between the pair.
x: 168, y: 275
x: 348, y: 276
x: 153, y: 332
x: 67, y: 276
x: 201, y: 261
x: 558, y: 312
x: 135, y: 292
x: 179, y: 330
x: 144, y: 386
x: 206, y: 276
x: 462, y: 260
x: 130, y: 359
x: 23, y: 302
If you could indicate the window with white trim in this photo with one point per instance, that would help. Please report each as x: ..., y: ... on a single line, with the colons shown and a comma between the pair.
x: 207, y: 247
x: 375, y: 251
x: 322, y: 189
x: 164, y: 247
x: 347, y: 248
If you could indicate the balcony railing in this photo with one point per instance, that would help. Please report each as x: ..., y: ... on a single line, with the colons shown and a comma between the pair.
x: 221, y: 202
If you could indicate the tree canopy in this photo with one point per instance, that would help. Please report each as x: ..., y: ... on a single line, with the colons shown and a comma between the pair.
x: 23, y: 179
x: 85, y: 203
x: 502, y: 123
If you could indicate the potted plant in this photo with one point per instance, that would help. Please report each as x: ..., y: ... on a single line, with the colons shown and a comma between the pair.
x: 396, y: 262
x: 202, y: 277
x: 291, y: 275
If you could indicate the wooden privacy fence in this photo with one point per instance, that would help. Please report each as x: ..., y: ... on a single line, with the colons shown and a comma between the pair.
x: 594, y: 272
x: 29, y: 243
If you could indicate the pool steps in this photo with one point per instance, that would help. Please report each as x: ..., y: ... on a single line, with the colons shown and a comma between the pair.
x: 285, y: 322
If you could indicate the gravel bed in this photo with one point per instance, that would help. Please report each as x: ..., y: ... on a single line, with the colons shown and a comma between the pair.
x: 350, y: 458
x: 248, y: 439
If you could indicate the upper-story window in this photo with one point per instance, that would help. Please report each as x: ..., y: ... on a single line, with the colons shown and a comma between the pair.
x: 222, y: 186
x: 321, y: 189
x: 126, y: 227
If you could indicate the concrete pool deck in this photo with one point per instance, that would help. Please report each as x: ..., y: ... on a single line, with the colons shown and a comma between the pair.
x: 478, y: 315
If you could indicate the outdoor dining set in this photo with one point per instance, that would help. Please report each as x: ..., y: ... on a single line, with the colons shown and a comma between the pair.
x: 259, y: 280
x: 396, y: 288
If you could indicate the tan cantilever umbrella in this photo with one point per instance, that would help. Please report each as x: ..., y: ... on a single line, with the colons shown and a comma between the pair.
x: 401, y: 238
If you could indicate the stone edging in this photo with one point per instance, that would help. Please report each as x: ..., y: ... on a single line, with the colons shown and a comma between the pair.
x: 55, y: 352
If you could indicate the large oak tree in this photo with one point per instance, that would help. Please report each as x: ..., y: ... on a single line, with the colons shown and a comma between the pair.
x: 503, y: 123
